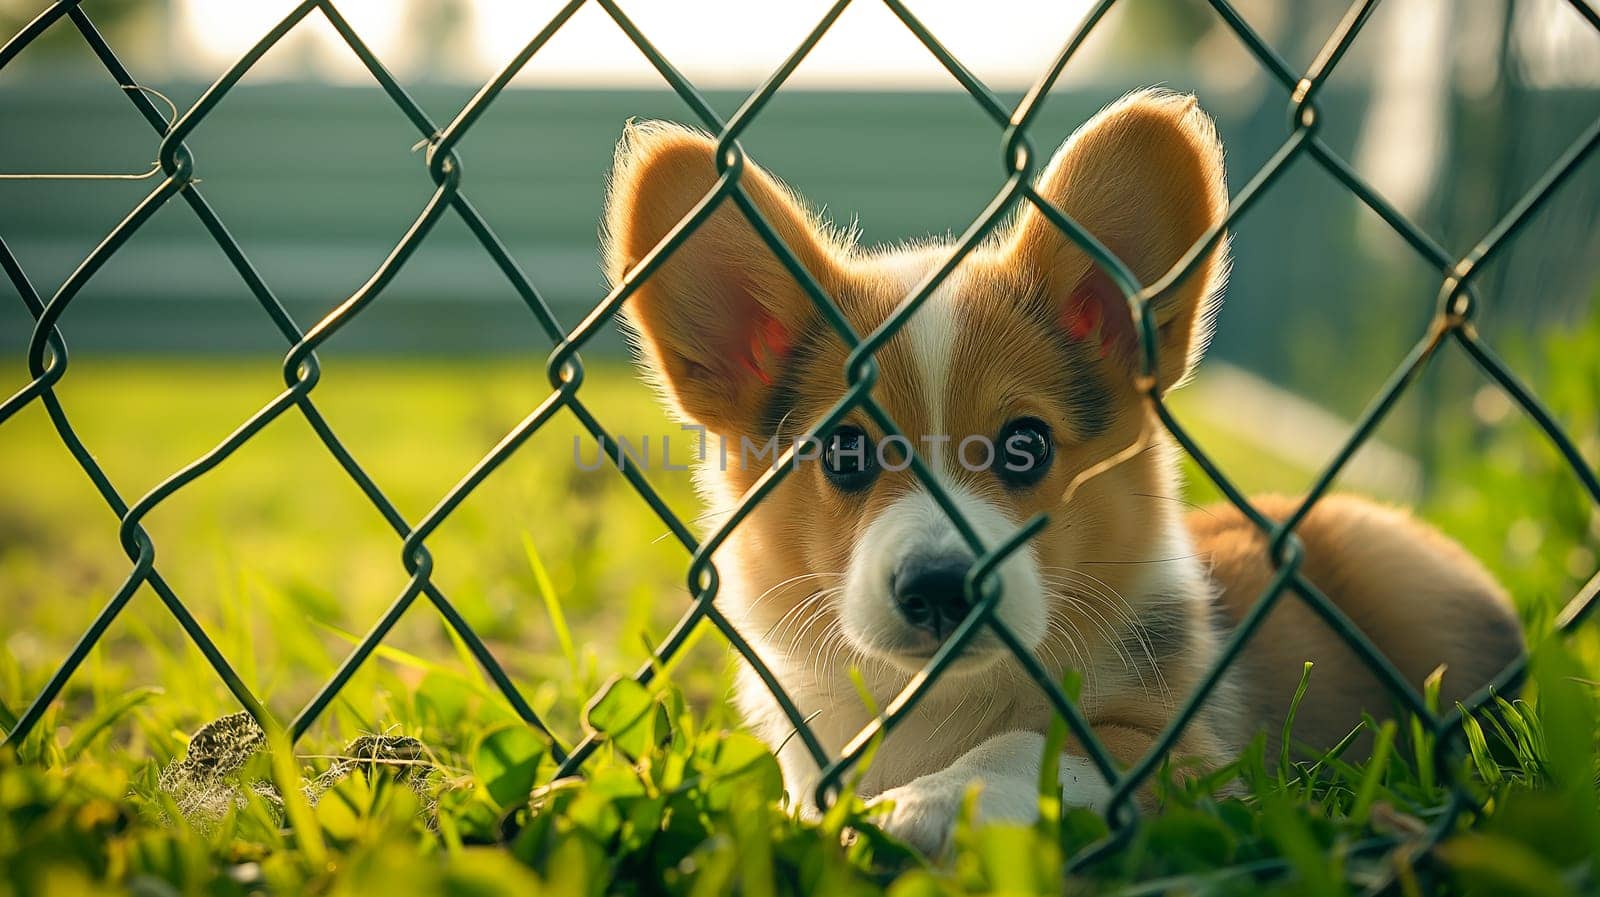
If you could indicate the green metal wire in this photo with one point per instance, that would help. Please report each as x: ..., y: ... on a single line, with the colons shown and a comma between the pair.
x: 47, y: 358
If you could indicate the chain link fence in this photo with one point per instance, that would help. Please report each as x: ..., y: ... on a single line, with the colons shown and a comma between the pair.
x: 1451, y: 324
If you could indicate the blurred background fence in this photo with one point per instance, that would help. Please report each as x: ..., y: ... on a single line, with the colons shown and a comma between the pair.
x: 321, y: 182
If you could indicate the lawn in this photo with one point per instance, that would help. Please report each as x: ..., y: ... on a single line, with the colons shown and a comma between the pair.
x: 570, y: 579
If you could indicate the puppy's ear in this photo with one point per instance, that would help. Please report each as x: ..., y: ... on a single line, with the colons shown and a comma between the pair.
x: 1145, y: 178
x: 718, y: 320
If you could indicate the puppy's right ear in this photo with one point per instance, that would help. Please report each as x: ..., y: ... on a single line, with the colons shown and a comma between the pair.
x: 1145, y: 177
x: 718, y: 318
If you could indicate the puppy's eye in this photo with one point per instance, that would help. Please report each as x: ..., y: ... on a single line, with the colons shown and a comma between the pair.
x: 848, y: 459
x: 1025, y: 451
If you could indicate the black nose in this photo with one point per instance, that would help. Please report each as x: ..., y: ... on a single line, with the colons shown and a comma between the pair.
x: 931, y: 594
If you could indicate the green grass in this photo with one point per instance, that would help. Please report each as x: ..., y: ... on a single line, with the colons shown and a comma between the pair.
x: 571, y: 580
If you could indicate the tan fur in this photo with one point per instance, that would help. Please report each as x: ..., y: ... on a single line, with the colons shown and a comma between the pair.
x: 1423, y: 601
x: 1131, y: 595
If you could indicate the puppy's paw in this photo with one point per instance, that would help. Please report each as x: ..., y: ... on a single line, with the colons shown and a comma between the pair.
x: 924, y: 812
x: 920, y: 815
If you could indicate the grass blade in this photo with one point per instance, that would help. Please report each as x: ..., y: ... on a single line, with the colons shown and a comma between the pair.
x: 1288, y: 724
x: 1050, y: 764
x: 1368, y: 789
x: 296, y: 808
x: 106, y: 718
x: 552, y: 603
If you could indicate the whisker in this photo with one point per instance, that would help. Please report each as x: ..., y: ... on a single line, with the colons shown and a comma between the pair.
x: 788, y: 582
x: 1133, y: 623
x: 1175, y: 500
x: 1069, y: 637
x: 805, y: 613
x: 951, y: 715
x: 1118, y: 606
x: 1171, y: 560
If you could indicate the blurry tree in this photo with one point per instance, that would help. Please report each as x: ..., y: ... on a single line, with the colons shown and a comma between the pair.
x: 1176, y: 30
x: 123, y: 22
x: 1158, y: 28
x: 437, y: 36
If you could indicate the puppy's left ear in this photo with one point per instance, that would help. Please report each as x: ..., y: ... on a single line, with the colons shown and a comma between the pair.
x: 1144, y: 177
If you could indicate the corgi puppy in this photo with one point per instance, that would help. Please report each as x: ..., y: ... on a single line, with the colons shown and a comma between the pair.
x: 1016, y: 376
